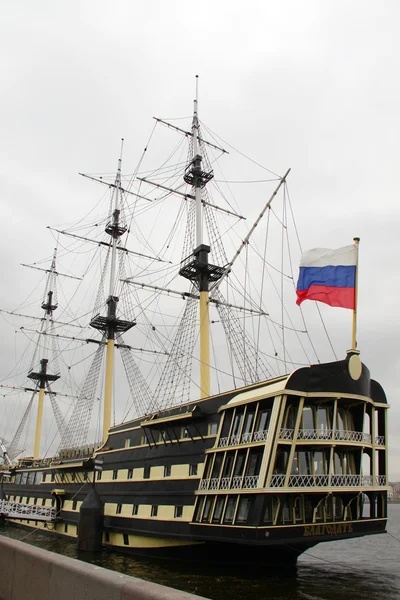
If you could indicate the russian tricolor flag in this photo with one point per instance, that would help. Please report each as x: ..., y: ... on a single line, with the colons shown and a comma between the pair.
x: 328, y: 276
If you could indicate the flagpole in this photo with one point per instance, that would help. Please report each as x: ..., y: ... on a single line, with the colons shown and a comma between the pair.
x: 356, y: 241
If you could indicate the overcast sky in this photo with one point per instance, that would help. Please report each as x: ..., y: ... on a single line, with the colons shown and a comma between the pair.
x: 310, y: 85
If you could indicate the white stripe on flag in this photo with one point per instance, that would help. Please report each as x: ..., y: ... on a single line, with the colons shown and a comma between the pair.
x: 324, y: 257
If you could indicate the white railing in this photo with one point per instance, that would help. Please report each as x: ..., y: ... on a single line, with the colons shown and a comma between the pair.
x: 352, y: 436
x: 286, y: 434
x: 226, y: 483
x: 260, y: 436
x: 380, y: 480
x: 250, y: 481
x: 236, y: 483
x: 380, y: 440
x: 33, y: 512
x: 245, y: 438
x: 213, y: 483
x: 223, y: 442
x: 277, y: 480
x: 315, y: 434
x: 308, y: 480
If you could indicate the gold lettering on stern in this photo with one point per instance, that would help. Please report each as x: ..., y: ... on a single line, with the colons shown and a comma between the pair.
x: 335, y: 529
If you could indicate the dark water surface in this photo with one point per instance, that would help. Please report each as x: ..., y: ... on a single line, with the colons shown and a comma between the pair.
x: 361, y: 569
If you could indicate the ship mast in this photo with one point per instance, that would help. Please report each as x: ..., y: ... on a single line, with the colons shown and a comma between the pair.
x: 110, y: 325
x: 42, y: 376
x: 196, y: 267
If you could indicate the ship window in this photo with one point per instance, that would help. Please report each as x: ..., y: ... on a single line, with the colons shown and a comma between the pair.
x: 263, y: 419
x: 319, y: 511
x: 53, y: 477
x: 302, y: 463
x: 115, y: 475
x: 193, y: 469
x: 237, y: 423
x: 178, y: 512
x: 290, y: 416
x: 99, y: 474
x: 18, y: 479
x: 254, y: 463
x: 162, y: 436
x: 228, y: 465
x: 243, y: 510
x: 285, y: 510
x: 207, y: 469
x: 298, y: 510
x: 43, y: 478
x: 320, y: 463
x: 43, y: 501
x: 135, y: 510
x: 281, y: 461
x: 146, y: 472
x: 185, y: 433
x: 212, y: 428
x: 341, y: 419
x: 127, y: 442
x: 74, y: 505
x: 143, y: 440
x: 207, y: 509
x: 24, y: 477
x: 248, y: 422
x: 130, y: 473
x: 324, y: 420
x: 307, y: 418
x: 119, y: 509
x: 219, y: 505
x: 267, y: 517
x: 154, y: 510
x: 239, y: 465
x: 126, y: 539
x: 199, y: 508
x: 27, y: 501
x: 21, y: 498
x: 217, y: 466
x: 107, y: 537
x: 167, y: 471
x: 230, y: 509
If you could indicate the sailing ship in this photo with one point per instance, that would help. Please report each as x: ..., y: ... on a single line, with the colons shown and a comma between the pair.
x: 291, y: 454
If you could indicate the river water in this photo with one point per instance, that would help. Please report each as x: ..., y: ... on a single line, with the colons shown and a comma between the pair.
x: 360, y: 569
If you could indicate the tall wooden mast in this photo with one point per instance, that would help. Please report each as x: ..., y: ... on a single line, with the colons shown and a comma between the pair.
x: 110, y: 325
x: 196, y: 267
x: 42, y: 376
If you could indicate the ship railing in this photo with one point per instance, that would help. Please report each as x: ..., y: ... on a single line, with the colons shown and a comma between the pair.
x: 380, y: 479
x: 260, y: 436
x: 308, y: 480
x: 228, y: 483
x: 250, y: 481
x: 286, y: 434
x: 204, y: 483
x: 277, y: 480
x: 380, y: 440
x: 245, y: 438
x: 352, y: 436
x: 33, y: 512
x: 366, y: 479
x: 315, y: 434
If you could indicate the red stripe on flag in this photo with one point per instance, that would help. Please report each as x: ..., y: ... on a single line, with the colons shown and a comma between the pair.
x: 334, y: 296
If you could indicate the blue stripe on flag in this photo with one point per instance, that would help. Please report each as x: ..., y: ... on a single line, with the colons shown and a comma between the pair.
x: 341, y: 276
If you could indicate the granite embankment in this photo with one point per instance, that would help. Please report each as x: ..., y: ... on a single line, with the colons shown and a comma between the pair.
x: 30, y: 572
